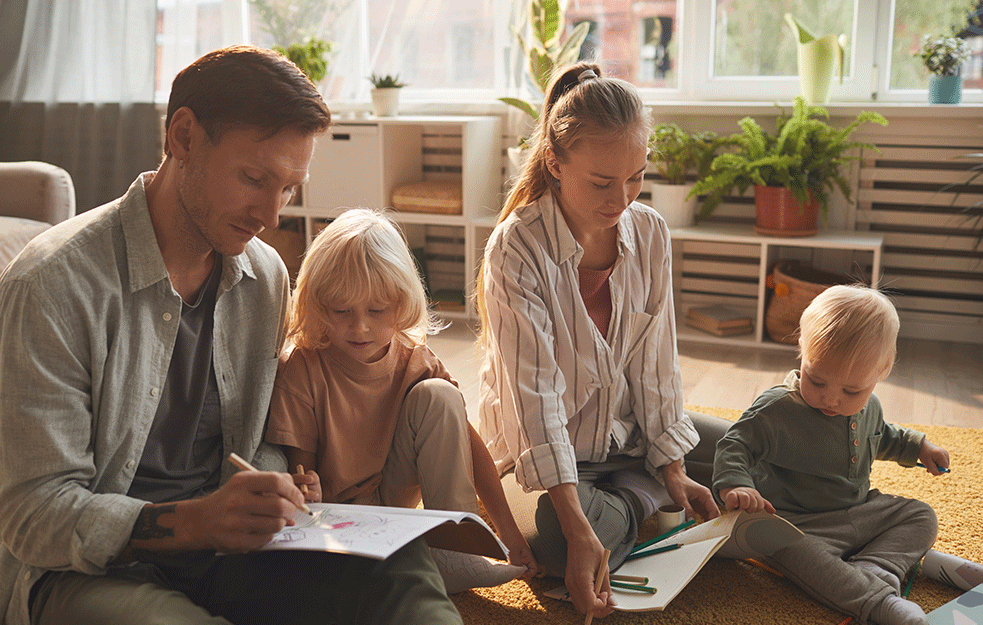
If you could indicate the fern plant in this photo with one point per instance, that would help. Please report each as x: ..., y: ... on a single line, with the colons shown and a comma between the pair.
x: 805, y: 155
x: 677, y: 154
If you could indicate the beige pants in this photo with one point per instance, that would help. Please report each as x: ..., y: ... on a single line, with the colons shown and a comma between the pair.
x: 430, y: 456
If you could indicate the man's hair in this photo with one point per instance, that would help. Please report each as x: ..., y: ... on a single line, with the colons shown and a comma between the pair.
x: 251, y: 87
x: 854, y: 325
x: 360, y: 257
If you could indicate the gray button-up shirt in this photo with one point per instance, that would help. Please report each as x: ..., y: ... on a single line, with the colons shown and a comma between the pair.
x: 89, y: 319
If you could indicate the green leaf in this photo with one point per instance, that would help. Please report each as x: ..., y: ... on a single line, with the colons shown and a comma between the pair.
x: 546, y: 19
x: 523, y: 106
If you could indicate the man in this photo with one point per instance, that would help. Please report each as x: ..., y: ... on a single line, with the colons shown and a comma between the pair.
x: 139, y: 345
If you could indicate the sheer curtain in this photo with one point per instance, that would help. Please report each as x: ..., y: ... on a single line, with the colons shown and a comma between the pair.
x: 77, y: 90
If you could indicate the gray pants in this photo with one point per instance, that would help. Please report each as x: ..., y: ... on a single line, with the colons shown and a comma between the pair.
x: 261, y: 588
x: 613, y: 513
x: 892, y: 532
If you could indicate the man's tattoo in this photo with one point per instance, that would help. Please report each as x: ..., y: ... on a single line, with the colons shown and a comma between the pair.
x: 147, y: 526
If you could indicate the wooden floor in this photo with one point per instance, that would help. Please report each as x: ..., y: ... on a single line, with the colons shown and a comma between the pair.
x: 933, y: 383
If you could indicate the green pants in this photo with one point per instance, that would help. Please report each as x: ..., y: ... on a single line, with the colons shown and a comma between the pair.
x: 289, y: 587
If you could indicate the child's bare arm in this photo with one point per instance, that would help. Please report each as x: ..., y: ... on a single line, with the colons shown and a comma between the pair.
x: 488, y: 486
x: 933, y: 457
x: 745, y: 498
x: 309, y: 478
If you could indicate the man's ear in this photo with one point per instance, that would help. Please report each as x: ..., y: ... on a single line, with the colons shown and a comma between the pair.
x: 181, y: 131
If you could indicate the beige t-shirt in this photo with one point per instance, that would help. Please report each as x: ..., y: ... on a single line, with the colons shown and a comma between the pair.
x: 345, y: 412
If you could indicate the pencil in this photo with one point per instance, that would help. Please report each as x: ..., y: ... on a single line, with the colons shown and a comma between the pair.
x: 648, y: 589
x: 300, y: 471
x: 631, y: 579
x: 674, y: 530
x: 762, y: 565
x: 598, y: 581
x: 912, y: 580
x: 237, y: 460
x: 652, y: 552
x: 847, y: 621
x: 942, y: 469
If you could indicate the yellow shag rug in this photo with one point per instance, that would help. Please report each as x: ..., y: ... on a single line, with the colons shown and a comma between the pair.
x: 732, y: 592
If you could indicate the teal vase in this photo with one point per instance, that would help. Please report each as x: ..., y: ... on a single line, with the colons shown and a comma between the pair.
x: 945, y: 89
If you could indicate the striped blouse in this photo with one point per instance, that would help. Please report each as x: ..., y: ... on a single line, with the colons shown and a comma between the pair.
x: 553, y: 390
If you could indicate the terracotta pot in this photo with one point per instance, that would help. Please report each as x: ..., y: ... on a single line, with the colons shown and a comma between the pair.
x: 779, y: 214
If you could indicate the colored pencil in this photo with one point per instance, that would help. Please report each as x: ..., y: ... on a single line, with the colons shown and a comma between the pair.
x: 637, y: 587
x: 911, y: 581
x: 762, y: 565
x: 652, y: 552
x: 674, y: 530
x: 237, y: 460
x: 631, y: 579
x: 942, y: 469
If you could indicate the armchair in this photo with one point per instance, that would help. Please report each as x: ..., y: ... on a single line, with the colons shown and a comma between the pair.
x: 33, y: 197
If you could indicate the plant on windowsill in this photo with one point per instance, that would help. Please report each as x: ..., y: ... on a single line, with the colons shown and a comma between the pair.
x: 793, y: 171
x: 679, y: 158
x: 546, y: 20
x: 385, y: 94
x: 295, y: 28
x: 943, y: 56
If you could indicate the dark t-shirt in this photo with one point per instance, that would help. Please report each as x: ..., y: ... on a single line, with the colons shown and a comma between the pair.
x: 183, y: 454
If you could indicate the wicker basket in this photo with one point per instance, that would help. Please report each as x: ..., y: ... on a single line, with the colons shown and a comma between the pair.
x: 795, y: 285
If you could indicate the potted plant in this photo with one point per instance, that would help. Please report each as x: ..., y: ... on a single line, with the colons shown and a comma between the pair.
x: 311, y: 57
x: 385, y: 94
x: 679, y: 158
x: 545, y: 19
x: 943, y: 56
x: 792, y: 171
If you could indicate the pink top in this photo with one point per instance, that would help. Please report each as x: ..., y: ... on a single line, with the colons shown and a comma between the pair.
x: 596, y: 292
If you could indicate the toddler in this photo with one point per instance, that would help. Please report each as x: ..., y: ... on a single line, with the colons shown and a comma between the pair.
x: 805, y: 448
x: 362, y: 401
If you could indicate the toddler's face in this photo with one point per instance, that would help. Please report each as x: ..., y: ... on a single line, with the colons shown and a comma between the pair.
x: 362, y: 331
x: 825, y: 386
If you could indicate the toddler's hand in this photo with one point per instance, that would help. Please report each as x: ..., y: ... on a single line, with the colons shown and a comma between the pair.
x: 309, y: 484
x: 933, y: 457
x: 745, y: 498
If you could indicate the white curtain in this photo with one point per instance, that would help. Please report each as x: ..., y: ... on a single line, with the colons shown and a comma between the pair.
x: 77, y: 90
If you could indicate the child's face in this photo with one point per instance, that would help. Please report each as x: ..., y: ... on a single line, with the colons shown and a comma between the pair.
x: 362, y: 331
x: 826, y: 387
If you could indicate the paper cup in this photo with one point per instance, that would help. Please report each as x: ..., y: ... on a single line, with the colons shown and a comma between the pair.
x: 670, y: 516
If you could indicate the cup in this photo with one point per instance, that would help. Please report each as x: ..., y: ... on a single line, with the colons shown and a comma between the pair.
x: 670, y: 516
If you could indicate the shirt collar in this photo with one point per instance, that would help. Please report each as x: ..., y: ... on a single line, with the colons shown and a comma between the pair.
x: 144, y: 260
x: 565, y: 246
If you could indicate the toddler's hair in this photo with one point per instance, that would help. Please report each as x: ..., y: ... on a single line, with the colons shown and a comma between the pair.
x: 360, y: 256
x: 855, y: 325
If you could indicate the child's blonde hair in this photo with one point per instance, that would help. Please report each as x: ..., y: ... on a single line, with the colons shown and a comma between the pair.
x: 854, y: 325
x: 360, y: 256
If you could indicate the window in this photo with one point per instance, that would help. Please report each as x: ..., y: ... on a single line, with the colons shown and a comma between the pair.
x: 464, y: 50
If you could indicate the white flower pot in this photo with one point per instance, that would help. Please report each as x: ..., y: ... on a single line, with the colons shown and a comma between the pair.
x: 385, y: 102
x: 670, y: 201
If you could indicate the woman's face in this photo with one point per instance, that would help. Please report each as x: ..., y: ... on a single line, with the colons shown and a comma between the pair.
x: 601, y: 177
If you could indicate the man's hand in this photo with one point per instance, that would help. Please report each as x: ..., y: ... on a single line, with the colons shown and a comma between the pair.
x: 583, y: 559
x: 693, y: 497
x: 745, y: 498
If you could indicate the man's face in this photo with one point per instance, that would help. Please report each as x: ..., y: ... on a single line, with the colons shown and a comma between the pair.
x: 232, y: 190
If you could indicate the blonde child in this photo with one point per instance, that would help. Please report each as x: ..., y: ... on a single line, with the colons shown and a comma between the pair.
x: 362, y: 401
x: 805, y: 448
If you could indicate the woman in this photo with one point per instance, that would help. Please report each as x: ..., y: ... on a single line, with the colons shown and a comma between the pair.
x: 580, y: 389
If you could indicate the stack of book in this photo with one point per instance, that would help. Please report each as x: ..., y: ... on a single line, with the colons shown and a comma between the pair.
x: 719, y: 320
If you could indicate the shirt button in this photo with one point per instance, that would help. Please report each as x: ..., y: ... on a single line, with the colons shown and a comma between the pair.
x: 153, y: 392
x: 853, y: 460
x: 856, y: 442
x: 130, y: 464
x: 853, y: 426
x: 167, y: 316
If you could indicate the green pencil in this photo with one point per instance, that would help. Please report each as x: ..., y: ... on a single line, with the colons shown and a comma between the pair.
x: 911, y: 581
x: 652, y: 552
x: 637, y: 587
x: 674, y: 530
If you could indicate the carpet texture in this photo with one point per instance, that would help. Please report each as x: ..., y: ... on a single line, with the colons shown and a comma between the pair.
x: 732, y: 592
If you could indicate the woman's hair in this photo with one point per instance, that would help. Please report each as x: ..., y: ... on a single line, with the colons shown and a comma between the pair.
x: 247, y: 86
x: 360, y: 256
x: 855, y: 325
x: 579, y: 104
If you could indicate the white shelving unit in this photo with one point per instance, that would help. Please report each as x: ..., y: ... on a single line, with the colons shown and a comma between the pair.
x: 359, y: 162
x: 769, y: 250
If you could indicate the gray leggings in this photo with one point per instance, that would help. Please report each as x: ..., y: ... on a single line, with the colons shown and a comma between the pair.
x: 613, y: 513
x: 892, y: 532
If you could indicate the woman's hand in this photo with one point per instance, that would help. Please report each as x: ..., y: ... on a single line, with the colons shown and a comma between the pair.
x: 693, y: 497
x: 745, y: 498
